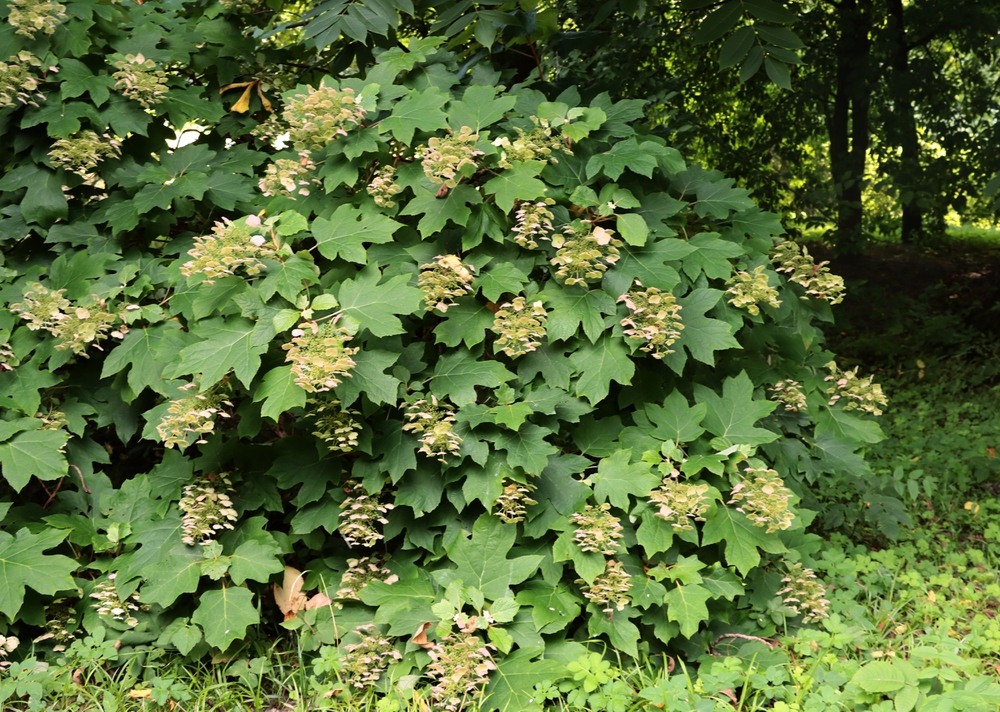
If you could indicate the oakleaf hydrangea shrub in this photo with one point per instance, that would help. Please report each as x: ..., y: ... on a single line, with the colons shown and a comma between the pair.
x: 493, y: 366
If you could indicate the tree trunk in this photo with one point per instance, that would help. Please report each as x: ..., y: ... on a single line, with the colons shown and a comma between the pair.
x: 848, y: 122
x: 910, y: 178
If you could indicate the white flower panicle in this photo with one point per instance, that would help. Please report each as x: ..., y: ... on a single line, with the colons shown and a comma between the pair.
x: 363, y: 663
x: 680, y: 503
x: 193, y: 414
x: 763, y: 497
x: 854, y: 392
x: 17, y: 84
x: 750, y: 289
x: 320, y: 356
x: 383, y: 187
x: 585, y: 252
x: 654, y: 317
x: 520, y: 327
x: 321, y: 115
x: 460, y: 668
x: 108, y: 603
x: 359, y: 573
x: 795, y: 261
x: 443, y: 159
x: 609, y: 589
x: 207, y: 509
x: 533, y: 223
x: 804, y: 593
x: 444, y: 280
x: 338, y: 427
x: 434, y: 421
x: 538, y: 144
x: 231, y: 246
x: 290, y: 178
x: 140, y: 79
x: 511, y: 506
x: 75, y: 327
x: 790, y: 394
x: 29, y: 17
x: 81, y: 151
x: 359, y: 514
x: 597, y: 530
x: 8, y: 644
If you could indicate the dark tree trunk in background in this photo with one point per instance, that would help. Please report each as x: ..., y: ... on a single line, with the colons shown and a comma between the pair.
x: 848, y: 120
x: 910, y: 179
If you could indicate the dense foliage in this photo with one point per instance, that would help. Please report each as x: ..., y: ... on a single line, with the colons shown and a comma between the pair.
x: 494, y: 369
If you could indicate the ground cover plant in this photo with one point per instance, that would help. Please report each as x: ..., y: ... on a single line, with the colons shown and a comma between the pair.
x: 445, y: 374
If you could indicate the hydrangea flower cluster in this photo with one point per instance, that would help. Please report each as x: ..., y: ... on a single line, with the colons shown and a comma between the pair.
x: 460, y: 668
x: 108, y: 603
x: 679, y: 503
x: 75, y: 327
x: 444, y: 159
x: 320, y: 116
x: 192, y: 414
x: 597, y: 530
x: 584, y: 252
x: 444, y: 280
x: 804, y: 593
x: 763, y: 497
x: 319, y: 355
x: 360, y: 572
x: 61, y: 620
x: 857, y: 393
x: 6, y: 356
x: 534, y: 222
x: 8, y: 644
x: 140, y: 79
x: 30, y: 16
x: 790, y: 394
x: 363, y: 663
x: 610, y: 589
x: 538, y: 144
x: 52, y: 420
x: 207, y: 509
x: 336, y: 426
x: 520, y: 327
x: 383, y: 187
x: 359, y: 514
x: 513, y: 502
x: 231, y: 246
x: 17, y: 83
x: 434, y: 422
x: 289, y: 177
x: 795, y: 261
x: 654, y: 317
x: 81, y: 151
x: 750, y: 289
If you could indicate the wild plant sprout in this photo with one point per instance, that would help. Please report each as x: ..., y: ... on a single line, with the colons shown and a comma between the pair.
x: 654, y: 318
x: 853, y: 392
x: 584, y: 252
x: 434, y: 421
x: 749, y: 290
x: 597, y: 530
x: 193, y: 414
x: 319, y: 355
x: 207, y: 509
x: 233, y: 245
x: 82, y: 151
x: 444, y: 280
x: 459, y: 670
x: 18, y: 85
x: 804, y: 593
x: 533, y: 222
x: 140, y: 79
x: 763, y: 497
x: 290, y: 178
x: 443, y: 159
x: 383, y: 187
x: 609, y: 589
x: 519, y: 327
x: 511, y: 506
x: 360, y: 515
x: 794, y: 260
x: 538, y: 144
x: 359, y: 573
